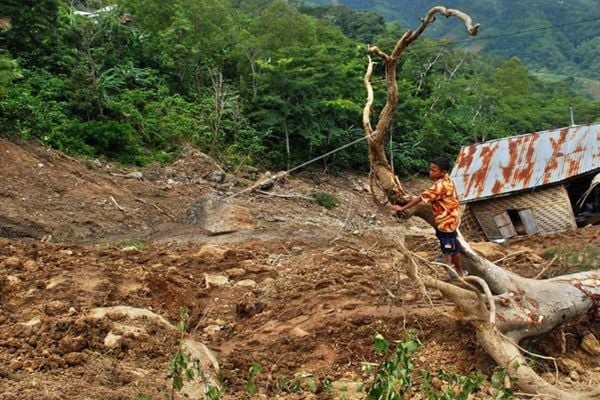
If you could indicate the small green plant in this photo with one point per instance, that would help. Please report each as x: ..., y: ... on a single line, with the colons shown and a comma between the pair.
x: 125, y: 243
x: 393, y: 378
x: 253, y: 372
x: 502, y: 391
x: 325, y: 199
x: 179, y: 367
x: 393, y: 375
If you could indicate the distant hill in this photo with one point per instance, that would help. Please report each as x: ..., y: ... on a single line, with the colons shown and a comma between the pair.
x: 560, y: 37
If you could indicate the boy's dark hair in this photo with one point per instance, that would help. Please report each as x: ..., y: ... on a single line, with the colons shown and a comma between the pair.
x: 441, y: 162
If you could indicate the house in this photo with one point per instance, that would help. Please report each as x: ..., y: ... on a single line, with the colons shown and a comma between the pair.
x: 529, y: 183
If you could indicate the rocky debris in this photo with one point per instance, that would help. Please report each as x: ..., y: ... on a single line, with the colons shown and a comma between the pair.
x: 11, y: 228
x: 218, y: 216
x: 216, y: 176
x: 211, y: 253
x: 591, y: 345
x: 212, y: 280
x: 249, y: 283
x: 129, y: 312
x: 567, y: 365
x: 208, y: 370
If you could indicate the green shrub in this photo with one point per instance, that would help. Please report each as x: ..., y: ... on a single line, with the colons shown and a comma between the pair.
x: 325, y: 199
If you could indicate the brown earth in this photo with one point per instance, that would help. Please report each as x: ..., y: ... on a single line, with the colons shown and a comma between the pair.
x: 303, y: 290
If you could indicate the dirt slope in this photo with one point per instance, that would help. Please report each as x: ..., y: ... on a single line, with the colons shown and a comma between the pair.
x: 301, y: 293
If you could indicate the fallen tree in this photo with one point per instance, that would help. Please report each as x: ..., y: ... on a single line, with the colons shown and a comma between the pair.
x: 503, y: 307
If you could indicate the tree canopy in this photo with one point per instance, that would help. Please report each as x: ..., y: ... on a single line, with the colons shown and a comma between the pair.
x: 268, y: 83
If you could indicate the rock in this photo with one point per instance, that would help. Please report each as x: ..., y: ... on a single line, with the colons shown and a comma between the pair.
x: 218, y: 216
x: 215, y: 280
x: 30, y: 265
x: 246, y: 283
x: 56, y: 307
x: 591, y: 345
x: 216, y: 176
x: 32, y: 322
x: 12, y: 262
x: 299, y: 332
x: 574, y: 376
x: 130, y: 312
x: 74, y: 359
x: 196, y: 388
x: 111, y: 340
x: 66, y: 252
x: 13, y: 281
x: 130, y: 249
x: 211, y: 253
x: 235, y: 272
x: 212, y: 330
x: 491, y: 251
x: 567, y: 365
x: 135, y: 175
x: 69, y: 344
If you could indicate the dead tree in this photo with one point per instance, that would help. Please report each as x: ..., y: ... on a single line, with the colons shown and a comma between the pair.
x: 503, y: 307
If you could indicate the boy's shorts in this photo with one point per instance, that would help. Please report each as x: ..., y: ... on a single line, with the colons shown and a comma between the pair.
x: 448, y: 242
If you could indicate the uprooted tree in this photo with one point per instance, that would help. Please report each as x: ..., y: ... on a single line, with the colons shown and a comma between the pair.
x: 503, y: 307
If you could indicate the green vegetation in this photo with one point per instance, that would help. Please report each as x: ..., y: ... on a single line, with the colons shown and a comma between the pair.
x: 325, y: 199
x: 571, y: 260
x: 557, y: 36
x: 181, y: 368
x: 395, y: 379
x: 265, y: 82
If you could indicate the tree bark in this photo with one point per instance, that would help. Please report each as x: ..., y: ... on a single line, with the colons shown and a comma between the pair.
x: 503, y: 307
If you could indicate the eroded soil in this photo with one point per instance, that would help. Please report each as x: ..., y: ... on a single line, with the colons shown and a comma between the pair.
x: 302, y: 292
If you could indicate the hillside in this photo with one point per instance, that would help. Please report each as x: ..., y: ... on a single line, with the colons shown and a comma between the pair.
x: 295, y: 288
x: 557, y: 36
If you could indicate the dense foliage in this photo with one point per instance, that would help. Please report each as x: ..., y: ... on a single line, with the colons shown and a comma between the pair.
x: 262, y: 82
x: 558, y: 36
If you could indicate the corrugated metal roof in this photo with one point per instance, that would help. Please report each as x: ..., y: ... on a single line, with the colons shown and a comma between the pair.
x: 527, y: 161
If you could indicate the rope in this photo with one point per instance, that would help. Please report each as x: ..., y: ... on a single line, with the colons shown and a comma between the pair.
x: 284, y: 173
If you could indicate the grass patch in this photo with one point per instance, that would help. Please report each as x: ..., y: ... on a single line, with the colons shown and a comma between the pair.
x: 574, y: 259
x: 325, y: 199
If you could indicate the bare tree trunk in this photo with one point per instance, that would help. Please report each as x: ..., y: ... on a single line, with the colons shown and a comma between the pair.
x: 503, y: 308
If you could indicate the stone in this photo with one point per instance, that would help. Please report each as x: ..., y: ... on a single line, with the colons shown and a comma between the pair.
x: 196, y: 388
x: 235, y: 272
x: 30, y: 265
x: 246, y: 283
x: 299, y: 332
x: 217, y: 176
x: 111, y: 340
x: 567, y: 365
x: 211, y: 280
x: 591, y: 345
x: 219, y: 216
x: 211, y: 253
x: 12, y: 262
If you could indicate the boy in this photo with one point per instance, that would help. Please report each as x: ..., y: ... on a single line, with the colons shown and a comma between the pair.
x: 445, y: 207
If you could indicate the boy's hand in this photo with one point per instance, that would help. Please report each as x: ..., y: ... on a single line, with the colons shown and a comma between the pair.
x: 398, y: 210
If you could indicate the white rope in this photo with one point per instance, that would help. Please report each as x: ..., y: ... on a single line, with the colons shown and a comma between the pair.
x: 306, y: 163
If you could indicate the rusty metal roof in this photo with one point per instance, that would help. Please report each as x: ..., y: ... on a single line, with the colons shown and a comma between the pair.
x: 517, y: 163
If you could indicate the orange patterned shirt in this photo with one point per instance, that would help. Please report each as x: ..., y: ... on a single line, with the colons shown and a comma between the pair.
x: 444, y: 204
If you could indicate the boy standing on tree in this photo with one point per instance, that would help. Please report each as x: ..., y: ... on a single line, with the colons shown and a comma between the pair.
x: 445, y: 207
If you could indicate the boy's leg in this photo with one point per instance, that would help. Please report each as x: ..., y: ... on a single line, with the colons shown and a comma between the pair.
x: 457, y: 264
